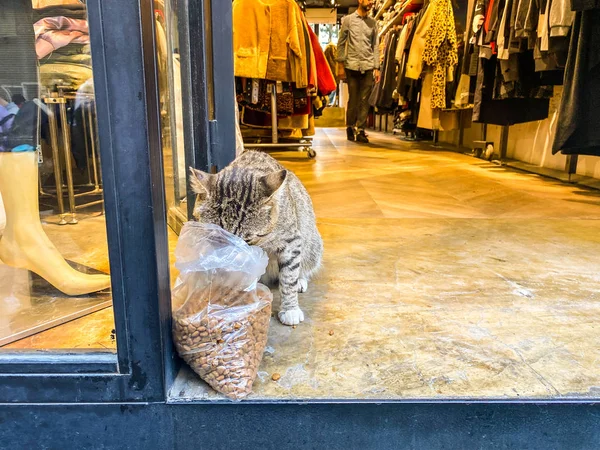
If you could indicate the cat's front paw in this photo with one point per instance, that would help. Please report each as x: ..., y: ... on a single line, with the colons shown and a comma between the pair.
x: 302, y: 285
x: 291, y: 317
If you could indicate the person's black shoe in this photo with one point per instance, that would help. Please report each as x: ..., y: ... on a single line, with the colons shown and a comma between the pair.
x: 350, y: 133
x: 362, y: 137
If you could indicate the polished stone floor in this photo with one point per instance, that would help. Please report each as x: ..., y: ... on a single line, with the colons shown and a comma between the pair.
x: 444, y: 276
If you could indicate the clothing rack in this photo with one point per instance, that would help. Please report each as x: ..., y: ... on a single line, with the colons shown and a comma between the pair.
x: 303, y: 144
x: 60, y: 102
x: 279, y: 31
x: 383, y: 8
x: 485, y: 147
x: 397, y: 19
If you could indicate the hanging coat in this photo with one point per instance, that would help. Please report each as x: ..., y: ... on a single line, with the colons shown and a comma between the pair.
x: 440, y: 50
x: 325, y: 80
x: 414, y: 63
x: 507, y: 110
x: 382, y: 93
x: 267, y: 41
x: 330, y: 54
x: 577, y: 131
x: 388, y: 75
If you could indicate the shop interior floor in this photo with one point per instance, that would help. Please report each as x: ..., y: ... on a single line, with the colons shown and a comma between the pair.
x: 444, y: 276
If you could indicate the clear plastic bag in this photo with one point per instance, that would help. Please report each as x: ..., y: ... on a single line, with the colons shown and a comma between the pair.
x: 221, y: 324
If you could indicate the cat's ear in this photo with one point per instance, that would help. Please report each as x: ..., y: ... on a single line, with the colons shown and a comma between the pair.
x: 272, y: 182
x: 201, y: 182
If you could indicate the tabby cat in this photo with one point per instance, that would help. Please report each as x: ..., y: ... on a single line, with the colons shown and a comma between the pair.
x: 258, y: 200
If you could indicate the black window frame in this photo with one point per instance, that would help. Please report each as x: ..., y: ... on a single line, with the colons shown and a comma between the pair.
x: 144, y: 365
x: 206, y: 48
x: 124, y: 70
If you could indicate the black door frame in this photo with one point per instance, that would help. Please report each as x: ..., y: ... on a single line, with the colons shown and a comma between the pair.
x: 126, y: 90
x: 93, y: 400
x: 207, y: 85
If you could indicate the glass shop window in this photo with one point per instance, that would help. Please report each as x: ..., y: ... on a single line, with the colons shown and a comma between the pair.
x: 442, y: 275
x: 54, y: 265
x: 171, y: 108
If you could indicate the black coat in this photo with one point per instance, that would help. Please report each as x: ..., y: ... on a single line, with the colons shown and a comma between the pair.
x: 382, y: 94
x: 488, y: 108
x: 578, y: 129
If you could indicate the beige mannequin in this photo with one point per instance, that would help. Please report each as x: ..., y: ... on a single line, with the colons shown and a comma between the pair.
x: 24, y: 243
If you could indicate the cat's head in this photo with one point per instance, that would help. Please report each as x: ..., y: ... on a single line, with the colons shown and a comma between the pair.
x: 239, y: 201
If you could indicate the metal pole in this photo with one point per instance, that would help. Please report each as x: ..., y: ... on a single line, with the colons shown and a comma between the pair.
x: 56, y: 159
x: 282, y: 145
x: 504, y: 143
x: 274, y: 136
x: 87, y: 146
x: 67, y: 153
x: 571, y: 165
x: 93, y: 144
x: 461, y: 129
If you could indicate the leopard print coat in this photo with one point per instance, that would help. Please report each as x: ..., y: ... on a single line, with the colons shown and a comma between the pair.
x: 441, y: 51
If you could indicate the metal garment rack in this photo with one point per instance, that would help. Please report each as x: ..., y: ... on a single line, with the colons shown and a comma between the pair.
x: 304, y: 144
x: 60, y: 103
x: 570, y: 162
x: 487, y: 149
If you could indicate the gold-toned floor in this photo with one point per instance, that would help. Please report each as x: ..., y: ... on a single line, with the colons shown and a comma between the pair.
x: 444, y: 276
x: 84, y: 243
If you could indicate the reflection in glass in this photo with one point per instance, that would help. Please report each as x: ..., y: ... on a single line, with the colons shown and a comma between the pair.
x: 53, y: 249
x: 171, y: 104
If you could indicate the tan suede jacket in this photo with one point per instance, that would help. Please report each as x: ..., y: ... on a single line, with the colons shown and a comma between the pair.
x: 268, y: 40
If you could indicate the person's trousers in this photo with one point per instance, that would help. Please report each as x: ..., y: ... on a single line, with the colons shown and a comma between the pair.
x: 360, y: 86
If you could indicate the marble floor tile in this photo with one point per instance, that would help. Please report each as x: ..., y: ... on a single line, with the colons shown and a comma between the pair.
x: 428, y: 308
x: 468, y: 280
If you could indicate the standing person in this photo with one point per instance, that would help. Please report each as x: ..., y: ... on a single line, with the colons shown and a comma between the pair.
x: 358, y: 50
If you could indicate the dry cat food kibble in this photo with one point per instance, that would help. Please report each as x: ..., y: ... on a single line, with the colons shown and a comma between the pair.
x: 276, y: 377
x: 222, y: 335
x: 222, y: 313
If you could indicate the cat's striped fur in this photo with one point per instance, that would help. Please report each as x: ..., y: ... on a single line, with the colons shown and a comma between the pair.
x: 258, y: 200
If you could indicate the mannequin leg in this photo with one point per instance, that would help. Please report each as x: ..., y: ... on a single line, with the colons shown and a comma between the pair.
x: 2, y: 216
x: 24, y: 243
